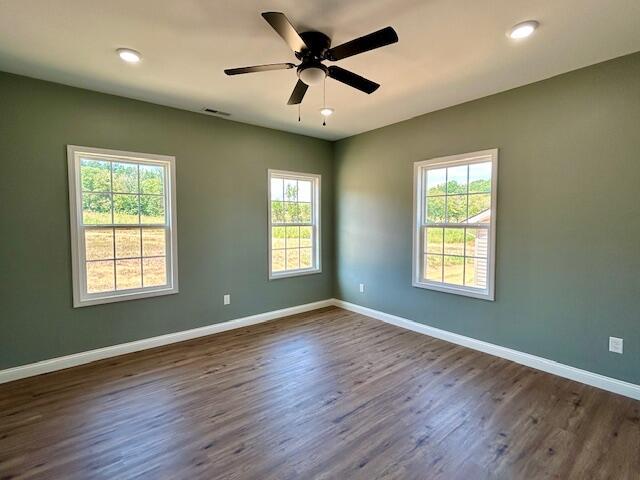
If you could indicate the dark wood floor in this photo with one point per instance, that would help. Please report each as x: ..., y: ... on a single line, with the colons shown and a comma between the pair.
x: 323, y: 395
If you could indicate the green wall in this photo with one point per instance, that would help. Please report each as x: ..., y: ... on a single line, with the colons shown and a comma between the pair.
x: 568, y: 224
x: 568, y: 230
x: 221, y: 176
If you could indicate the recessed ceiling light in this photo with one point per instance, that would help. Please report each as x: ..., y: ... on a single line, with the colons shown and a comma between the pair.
x: 523, y: 30
x: 128, y: 55
x: 326, y: 111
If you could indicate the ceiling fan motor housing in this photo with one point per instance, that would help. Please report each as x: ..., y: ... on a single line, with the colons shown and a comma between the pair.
x: 311, y: 70
x: 318, y: 44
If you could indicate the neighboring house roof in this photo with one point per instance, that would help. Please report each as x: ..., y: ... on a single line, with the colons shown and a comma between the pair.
x: 481, y: 217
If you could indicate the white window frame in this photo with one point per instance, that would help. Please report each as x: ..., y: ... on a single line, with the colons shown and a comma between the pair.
x: 482, y: 156
x: 315, y: 222
x: 81, y: 297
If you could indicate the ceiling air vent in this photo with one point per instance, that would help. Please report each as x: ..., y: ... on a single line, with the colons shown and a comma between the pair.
x: 213, y: 111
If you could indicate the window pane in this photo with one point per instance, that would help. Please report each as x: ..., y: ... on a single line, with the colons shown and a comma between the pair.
x: 291, y: 190
x: 154, y: 271
x: 292, y: 245
x: 293, y: 237
x: 151, y: 179
x: 433, y: 267
x: 151, y: 209
x: 154, y: 242
x: 277, y: 212
x: 457, y: 179
x: 454, y: 241
x: 306, y: 236
x: 476, y: 273
x: 477, y: 242
x: 98, y: 243
x: 128, y: 274
x: 127, y: 242
x: 96, y: 208
x: 277, y: 189
x: 436, y: 180
x: 456, y: 208
x: 291, y: 212
x: 454, y: 270
x: 125, y: 177
x: 433, y: 238
x: 304, y: 210
x: 480, y: 208
x: 95, y: 175
x: 293, y: 259
x: 480, y: 177
x: 125, y: 209
x: 435, y: 209
x: 306, y: 258
x: 304, y: 191
x: 454, y: 234
x: 100, y: 276
x: 111, y: 190
x: 277, y: 260
x: 277, y: 237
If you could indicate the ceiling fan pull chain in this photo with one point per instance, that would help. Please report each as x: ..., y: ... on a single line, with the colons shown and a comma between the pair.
x: 324, y: 93
x: 324, y: 100
x: 298, y: 112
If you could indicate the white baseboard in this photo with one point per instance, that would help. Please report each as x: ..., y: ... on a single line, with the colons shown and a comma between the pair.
x: 81, y: 358
x: 594, y: 379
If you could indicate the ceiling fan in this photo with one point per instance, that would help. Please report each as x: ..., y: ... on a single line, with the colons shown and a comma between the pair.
x: 312, y: 48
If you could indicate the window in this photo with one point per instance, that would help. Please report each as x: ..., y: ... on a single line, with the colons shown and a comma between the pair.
x: 123, y: 225
x: 454, y: 224
x: 294, y: 224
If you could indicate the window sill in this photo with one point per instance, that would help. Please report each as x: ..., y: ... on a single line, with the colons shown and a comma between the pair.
x: 124, y: 297
x: 457, y: 290
x: 294, y: 273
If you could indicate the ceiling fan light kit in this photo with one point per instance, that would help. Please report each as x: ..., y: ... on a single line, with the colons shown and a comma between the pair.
x: 313, y: 48
x: 313, y: 75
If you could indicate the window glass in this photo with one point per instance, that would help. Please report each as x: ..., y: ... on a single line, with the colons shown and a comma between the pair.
x: 293, y: 223
x: 454, y: 230
x: 123, y: 242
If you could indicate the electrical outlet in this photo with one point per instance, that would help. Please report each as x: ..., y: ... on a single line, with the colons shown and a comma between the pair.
x: 362, y: 288
x: 227, y: 299
x: 615, y: 344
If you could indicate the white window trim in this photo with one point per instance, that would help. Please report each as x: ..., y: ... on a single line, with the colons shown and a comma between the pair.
x: 80, y: 297
x: 315, y: 223
x: 487, y: 293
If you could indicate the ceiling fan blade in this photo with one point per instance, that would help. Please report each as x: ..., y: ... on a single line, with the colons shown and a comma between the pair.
x: 259, y: 68
x: 298, y: 93
x: 281, y: 24
x: 378, y: 39
x: 352, y: 79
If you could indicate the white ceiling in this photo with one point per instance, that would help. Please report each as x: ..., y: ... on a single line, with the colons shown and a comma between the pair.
x: 450, y: 51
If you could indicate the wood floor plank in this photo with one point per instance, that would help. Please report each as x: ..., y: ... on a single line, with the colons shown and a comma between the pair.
x: 327, y: 394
